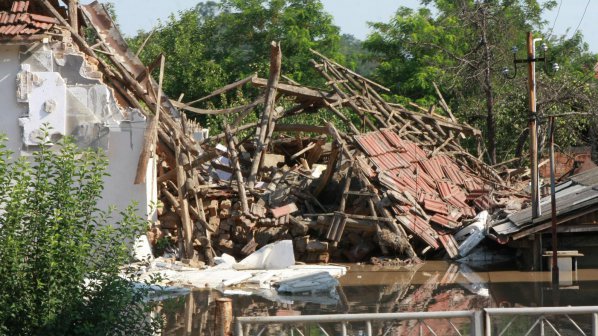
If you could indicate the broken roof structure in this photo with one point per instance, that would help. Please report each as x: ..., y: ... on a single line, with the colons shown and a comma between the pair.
x: 18, y: 23
x: 399, y: 178
x: 385, y: 178
x: 575, y: 198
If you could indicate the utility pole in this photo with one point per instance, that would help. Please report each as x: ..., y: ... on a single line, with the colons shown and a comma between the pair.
x: 533, y: 122
x: 533, y: 115
x: 555, y: 265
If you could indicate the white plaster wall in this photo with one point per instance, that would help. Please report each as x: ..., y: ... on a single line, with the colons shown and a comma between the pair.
x: 124, y: 144
x: 123, y: 153
x: 10, y: 109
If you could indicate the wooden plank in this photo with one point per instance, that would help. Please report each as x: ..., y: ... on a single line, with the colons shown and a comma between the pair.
x: 224, y: 89
x: 231, y: 110
x: 184, y: 205
x: 232, y: 151
x: 267, y: 116
x: 74, y: 14
x: 299, y: 91
x: 151, y: 134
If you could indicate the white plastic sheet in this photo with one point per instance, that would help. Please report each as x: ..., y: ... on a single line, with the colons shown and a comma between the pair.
x: 278, y: 255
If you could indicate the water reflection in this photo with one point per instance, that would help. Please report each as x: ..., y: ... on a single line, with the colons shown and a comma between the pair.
x: 433, y: 286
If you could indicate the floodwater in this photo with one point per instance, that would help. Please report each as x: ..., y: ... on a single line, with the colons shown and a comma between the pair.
x: 431, y: 286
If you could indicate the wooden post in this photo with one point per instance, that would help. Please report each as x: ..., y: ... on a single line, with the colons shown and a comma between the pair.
x: 555, y: 264
x: 189, y: 312
x: 184, y: 205
x: 224, y: 317
x: 267, y: 116
x: 151, y: 132
x: 235, y: 162
x: 74, y: 14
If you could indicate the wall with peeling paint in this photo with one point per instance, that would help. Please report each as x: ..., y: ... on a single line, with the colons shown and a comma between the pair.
x: 10, y: 109
x: 55, y: 85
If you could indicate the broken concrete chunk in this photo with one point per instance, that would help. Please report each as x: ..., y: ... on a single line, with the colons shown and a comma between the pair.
x: 213, y: 208
x: 316, y: 246
x: 284, y: 210
x: 273, y: 160
x: 258, y: 209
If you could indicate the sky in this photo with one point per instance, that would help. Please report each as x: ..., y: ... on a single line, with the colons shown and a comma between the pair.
x: 352, y: 15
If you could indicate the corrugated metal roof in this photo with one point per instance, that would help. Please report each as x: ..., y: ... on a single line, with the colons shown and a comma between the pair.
x: 587, y: 178
x: 568, y: 201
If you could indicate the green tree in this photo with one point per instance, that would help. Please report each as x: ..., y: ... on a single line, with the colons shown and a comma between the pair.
x: 463, y: 46
x: 217, y: 43
x: 61, y: 263
x: 355, y: 56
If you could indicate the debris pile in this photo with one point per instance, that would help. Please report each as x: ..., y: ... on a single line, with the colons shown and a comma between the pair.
x: 374, y: 178
x: 398, y: 184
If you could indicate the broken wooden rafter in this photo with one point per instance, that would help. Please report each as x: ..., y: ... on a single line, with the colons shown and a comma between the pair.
x: 301, y: 92
x: 224, y: 89
x: 232, y: 151
x: 267, y: 117
x: 350, y: 71
x: 236, y: 109
x: 151, y: 134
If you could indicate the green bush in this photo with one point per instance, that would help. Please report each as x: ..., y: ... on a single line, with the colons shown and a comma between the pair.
x: 60, y: 259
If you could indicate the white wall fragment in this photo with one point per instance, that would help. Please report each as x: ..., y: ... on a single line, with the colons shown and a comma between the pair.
x: 46, y: 99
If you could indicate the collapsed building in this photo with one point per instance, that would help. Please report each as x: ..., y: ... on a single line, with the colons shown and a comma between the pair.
x: 373, y: 178
x: 396, y: 182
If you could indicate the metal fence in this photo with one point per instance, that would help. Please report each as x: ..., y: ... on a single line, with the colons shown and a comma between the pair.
x: 542, y: 321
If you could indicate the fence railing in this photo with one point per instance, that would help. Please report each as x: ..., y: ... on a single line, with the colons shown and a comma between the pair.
x: 522, y: 321
x: 541, y: 319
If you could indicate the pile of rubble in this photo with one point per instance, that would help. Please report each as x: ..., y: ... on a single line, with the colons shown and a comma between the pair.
x: 398, y: 184
x: 375, y: 179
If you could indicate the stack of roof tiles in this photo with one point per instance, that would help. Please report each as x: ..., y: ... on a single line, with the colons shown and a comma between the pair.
x: 429, y: 189
x: 19, y: 22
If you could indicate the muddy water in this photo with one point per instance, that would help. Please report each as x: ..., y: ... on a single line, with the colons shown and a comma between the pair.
x: 432, y: 286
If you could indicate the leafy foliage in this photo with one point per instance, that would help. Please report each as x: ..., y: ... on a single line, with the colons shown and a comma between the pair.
x: 60, y: 259
x: 217, y: 43
x: 463, y: 46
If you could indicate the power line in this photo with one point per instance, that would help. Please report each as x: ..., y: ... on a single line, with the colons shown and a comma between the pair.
x: 558, y: 11
x: 582, y: 16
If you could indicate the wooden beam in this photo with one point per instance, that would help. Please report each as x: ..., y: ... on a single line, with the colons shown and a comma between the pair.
x: 184, y: 205
x: 224, y: 89
x: 298, y: 91
x: 232, y: 151
x: 237, y: 109
x: 151, y: 134
x: 74, y: 14
x: 267, y: 116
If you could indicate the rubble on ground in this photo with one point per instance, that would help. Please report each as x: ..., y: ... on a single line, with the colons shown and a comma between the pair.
x: 397, y: 183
